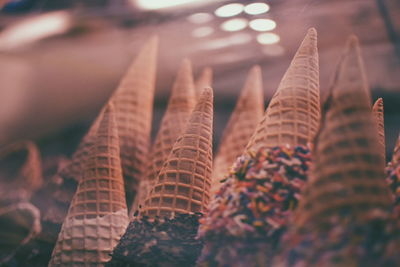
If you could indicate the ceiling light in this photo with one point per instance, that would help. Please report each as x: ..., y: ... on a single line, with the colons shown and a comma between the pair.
x: 233, y: 25
x: 268, y: 38
x: 229, y: 10
x: 162, y: 4
x: 202, y: 32
x: 200, y: 18
x: 34, y: 29
x: 256, y: 8
x: 262, y: 25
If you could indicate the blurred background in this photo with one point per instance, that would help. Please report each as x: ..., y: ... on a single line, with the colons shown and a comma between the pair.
x: 60, y: 60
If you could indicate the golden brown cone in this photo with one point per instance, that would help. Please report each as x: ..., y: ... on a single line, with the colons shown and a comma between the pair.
x: 184, y: 181
x: 205, y: 79
x: 348, y: 173
x: 180, y: 106
x: 377, y: 110
x: 73, y: 170
x: 20, y: 171
x: 133, y: 102
x: 242, y: 124
x: 97, y: 217
x: 292, y: 117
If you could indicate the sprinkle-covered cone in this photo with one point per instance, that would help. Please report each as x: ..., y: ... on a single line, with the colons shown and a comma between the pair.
x: 204, y: 80
x: 377, y: 110
x: 242, y: 123
x: 20, y: 171
x: 184, y: 181
x: 342, y: 219
x: 73, y: 170
x: 133, y: 102
x: 180, y: 106
x: 97, y: 217
x: 292, y: 116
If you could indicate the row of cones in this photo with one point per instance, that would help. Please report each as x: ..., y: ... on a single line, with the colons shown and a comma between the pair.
x: 176, y: 176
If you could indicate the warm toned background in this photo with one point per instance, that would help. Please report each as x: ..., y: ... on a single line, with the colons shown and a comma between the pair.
x: 52, y: 88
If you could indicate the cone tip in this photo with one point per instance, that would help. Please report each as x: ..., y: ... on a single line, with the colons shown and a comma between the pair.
x: 312, y: 31
x: 256, y: 68
x: 206, y: 92
x: 154, y: 39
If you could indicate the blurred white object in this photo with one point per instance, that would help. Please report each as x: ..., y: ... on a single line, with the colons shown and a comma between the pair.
x: 229, y: 10
x: 200, y: 18
x: 164, y: 4
x: 256, y: 8
x: 262, y: 25
x: 234, y: 25
x: 34, y: 29
x: 268, y: 38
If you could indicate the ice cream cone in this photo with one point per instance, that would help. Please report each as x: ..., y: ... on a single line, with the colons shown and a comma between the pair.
x: 377, y: 110
x: 20, y: 171
x: 292, y: 116
x: 73, y: 170
x: 204, y: 80
x: 180, y: 106
x: 348, y: 174
x: 242, y: 123
x: 133, y: 102
x: 396, y: 153
x: 184, y: 181
x: 97, y: 217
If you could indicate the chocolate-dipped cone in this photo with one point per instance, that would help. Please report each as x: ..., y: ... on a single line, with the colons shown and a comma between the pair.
x: 133, y: 102
x: 180, y: 106
x: 292, y: 116
x: 184, y: 181
x: 377, y: 110
x: 242, y: 124
x: 97, y: 217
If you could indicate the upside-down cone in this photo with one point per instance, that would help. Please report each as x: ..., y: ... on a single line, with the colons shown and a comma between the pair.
x: 377, y: 110
x: 292, y: 117
x: 184, y: 181
x: 348, y: 173
x: 180, y: 106
x: 204, y: 80
x: 133, y: 102
x: 242, y: 123
x: 97, y: 217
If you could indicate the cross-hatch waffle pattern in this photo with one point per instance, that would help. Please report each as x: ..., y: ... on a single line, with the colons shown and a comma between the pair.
x: 97, y: 217
x: 242, y: 123
x: 26, y: 175
x: 74, y: 169
x: 292, y: 116
x: 180, y: 106
x: 377, y: 109
x: 134, y: 110
x: 348, y: 167
x: 184, y: 181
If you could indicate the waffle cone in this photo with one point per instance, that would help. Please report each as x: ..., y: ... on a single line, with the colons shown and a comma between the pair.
x: 292, y: 116
x: 73, y: 170
x: 204, y: 80
x: 242, y: 124
x: 377, y: 110
x: 184, y: 181
x: 396, y: 153
x: 133, y: 102
x: 180, y: 106
x: 20, y: 171
x: 97, y: 217
x: 348, y: 174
